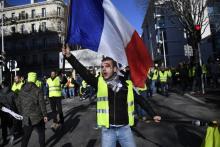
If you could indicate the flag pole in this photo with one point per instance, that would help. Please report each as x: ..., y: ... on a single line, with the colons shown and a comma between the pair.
x: 65, y: 32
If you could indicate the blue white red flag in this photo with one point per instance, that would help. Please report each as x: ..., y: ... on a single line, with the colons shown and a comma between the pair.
x: 99, y: 26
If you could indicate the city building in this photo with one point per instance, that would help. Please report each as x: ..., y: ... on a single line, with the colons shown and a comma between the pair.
x: 34, y: 33
x: 214, y: 15
x: 165, y: 36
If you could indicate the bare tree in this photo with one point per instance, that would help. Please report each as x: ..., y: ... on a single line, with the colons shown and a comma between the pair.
x: 191, y: 13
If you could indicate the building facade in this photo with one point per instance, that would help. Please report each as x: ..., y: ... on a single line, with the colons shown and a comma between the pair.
x: 166, y: 38
x: 34, y: 33
x: 214, y: 17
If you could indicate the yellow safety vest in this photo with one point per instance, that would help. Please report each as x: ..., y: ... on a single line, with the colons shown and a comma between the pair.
x: 155, y: 75
x: 16, y: 87
x: 149, y: 74
x: 84, y: 85
x: 212, y: 138
x: 192, y: 71
x: 169, y: 73
x: 204, y: 69
x: 163, y: 76
x: 54, y: 87
x: 103, y: 104
x: 38, y: 83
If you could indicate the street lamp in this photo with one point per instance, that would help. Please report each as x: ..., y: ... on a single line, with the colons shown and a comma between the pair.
x: 3, y: 50
x: 164, y: 51
x: 163, y: 47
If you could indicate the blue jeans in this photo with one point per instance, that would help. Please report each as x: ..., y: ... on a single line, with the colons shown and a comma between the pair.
x: 121, y: 134
x: 71, y: 92
x: 153, y: 86
x: 164, y: 88
x: 64, y: 92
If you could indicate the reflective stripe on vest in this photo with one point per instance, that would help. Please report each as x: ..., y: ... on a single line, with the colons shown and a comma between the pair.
x: 142, y: 89
x: 103, y: 104
x: 54, y: 87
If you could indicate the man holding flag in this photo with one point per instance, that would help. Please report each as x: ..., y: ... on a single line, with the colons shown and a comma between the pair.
x: 97, y: 25
x: 115, y: 101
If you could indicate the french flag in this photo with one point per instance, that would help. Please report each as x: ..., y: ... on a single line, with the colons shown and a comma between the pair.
x: 99, y: 26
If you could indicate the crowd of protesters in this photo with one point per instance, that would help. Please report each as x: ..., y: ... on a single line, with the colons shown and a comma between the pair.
x: 16, y: 97
x: 186, y: 77
x: 28, y: 97
x: 24, y: 97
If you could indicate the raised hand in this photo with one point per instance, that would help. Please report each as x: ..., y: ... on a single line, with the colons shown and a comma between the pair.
x: 157, y: 118
x: 45, y: 119
x: 66, y: 50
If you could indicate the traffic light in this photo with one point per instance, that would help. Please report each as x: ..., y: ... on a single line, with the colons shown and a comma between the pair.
x: 198, y: 32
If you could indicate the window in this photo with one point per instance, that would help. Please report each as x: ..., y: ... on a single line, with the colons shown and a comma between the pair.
x: 216, y: 9
x: 26, y: 16
x: 22, y: 28
x: 23, y: 15
x: 43, y: 12
x: 58, y: 11
x: 44, y: 27
x: 40, y: 28
x: 12, y: 15
x: 159, y: 10
x: 161, y: 21
x: 59, y: 26
x: 44, y: 43
x: 60, y: 39
x: 210, y: 10
x: 33, y: 13
x: 33, y: 43
x: 33, y: 29
x: 13, y: 29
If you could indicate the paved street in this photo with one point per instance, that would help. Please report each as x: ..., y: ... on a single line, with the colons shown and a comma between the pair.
x: 80, y: 119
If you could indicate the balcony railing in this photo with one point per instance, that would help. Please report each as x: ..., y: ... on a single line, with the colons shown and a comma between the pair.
x: 28, y: 17
x: 8, y: 32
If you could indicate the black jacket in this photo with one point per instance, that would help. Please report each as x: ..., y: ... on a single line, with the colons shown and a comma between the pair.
x: 31, y: 104
x: 7, y: 98
x: 118, y: 114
